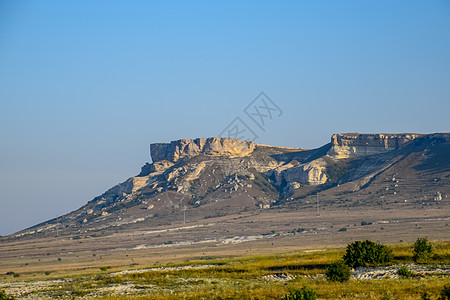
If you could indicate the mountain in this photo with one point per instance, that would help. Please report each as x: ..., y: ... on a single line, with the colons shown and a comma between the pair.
x: 210, y: 178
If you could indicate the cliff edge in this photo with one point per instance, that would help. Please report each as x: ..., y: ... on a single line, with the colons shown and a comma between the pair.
x: 175, y: 150
x: 349, y: 145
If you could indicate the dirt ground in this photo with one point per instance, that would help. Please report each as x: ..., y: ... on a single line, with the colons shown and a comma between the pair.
x: 263, y: 232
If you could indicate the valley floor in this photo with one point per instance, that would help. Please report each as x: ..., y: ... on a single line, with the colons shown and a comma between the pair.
x: 217, y: 259
x: 247, y: 277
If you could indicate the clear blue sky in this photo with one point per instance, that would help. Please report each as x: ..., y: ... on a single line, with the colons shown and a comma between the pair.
x: 86, y: 86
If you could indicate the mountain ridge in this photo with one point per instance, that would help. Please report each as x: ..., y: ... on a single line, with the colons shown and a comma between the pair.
x: 223, y: 176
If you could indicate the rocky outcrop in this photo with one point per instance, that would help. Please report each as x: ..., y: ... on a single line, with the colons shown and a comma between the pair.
x: 175, y: 150
x: 156, y: 167
x: 312, y: 173
x: 348, y: 145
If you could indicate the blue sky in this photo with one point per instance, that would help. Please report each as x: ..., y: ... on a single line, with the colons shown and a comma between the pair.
x: 86, y: 86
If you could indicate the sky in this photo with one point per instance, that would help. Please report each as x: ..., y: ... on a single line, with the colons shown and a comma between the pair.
x: 86, y: 86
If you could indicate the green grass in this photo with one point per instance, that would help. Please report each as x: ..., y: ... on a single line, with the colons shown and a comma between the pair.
x: 246, y: 278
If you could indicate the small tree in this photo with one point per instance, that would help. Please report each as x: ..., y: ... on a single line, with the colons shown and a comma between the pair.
x: 445, y: 293
x: 422, y: 250
x: 305, y: 293
x: 366, y: 252
x: 4, y: 296
x: 338, y: 271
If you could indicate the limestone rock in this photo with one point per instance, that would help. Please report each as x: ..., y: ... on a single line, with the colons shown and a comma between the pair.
x: 175, y: 150
x: 195, y: 171
x: 162, y: 165
x: 438, y: 196
x: 157, y: 167
x: 177, y: 172
x: 291, y: 186
x: 312, y: 173
x: 130, y: 186
x: 348, y: 145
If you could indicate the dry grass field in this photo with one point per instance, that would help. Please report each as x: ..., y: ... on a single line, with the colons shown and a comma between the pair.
x: 240, y: 277
x: 213, y: 259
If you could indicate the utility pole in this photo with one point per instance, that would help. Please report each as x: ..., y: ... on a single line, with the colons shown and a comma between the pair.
x: 317, y: 201
x: 57, y: 225
x: 183, y: 209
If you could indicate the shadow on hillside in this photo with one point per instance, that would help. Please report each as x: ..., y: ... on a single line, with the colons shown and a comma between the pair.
x: 303, y: 156
x: 437, y: 151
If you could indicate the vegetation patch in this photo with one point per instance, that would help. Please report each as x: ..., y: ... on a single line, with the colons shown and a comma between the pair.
x: 423, y: 250
x: 305, y: 293
x: 364, y: 253
x: 338, y: 271
x: 404, y: 272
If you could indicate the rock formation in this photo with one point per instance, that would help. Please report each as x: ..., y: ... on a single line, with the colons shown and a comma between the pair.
x: 220, y: 176
x: 175, y: 150
x: 348, y: 145
x: 312, y: 173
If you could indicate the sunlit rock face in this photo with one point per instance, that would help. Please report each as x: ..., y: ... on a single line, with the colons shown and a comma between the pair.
x: 348, y: 145
x: 312, y: 173
x: 175, y: 150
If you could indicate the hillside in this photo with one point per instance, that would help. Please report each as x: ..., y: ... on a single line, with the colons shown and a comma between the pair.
x: 216, y: 177
x: 227, y: 191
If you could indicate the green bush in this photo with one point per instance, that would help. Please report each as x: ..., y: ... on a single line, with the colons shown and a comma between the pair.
x: 338, y: 271
x: 366, y: 252
x: 404, y: 272
x: 445, y: 293
x: 305, y: 293
x: 422, y: 250
x: 4, y: 296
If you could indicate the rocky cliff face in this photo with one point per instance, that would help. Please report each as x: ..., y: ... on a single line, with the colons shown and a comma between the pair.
x: 311, y: 173
x: 175, y: 150
x: 348, y: 145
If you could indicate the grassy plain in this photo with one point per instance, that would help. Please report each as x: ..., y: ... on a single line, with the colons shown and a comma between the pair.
x: 239, y: 277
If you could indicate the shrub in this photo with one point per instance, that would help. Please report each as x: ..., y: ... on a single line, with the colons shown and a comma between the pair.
x: 425, y: 296
x: 15, y: 275
x: 422, y: 250
x: 445, y: 293
x: 4, y: 296
x: 305, y: 293
x: 404, y: 272
x: 338, y: 271
x: 104, y: 268
x: 366, y: 252
x: 364, y: 223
